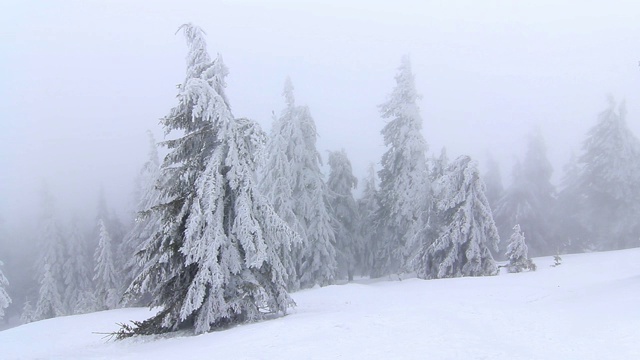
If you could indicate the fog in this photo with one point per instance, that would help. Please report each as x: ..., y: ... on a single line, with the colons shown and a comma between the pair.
x: 84, y: 80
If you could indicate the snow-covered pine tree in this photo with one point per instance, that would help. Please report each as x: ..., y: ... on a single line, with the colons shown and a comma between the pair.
x: 49, y: 300
x: 530, y: 200
x: 147, y: 222
x: 214, y: 261
x: 78, y: 290
x: 404, y: 183
x: 5, y: 300
x: 368, y: 207
x: 105, y: 275
x: 607, y: 182
x: 293, y: 183
x: 517, y: 252
x: 115, y: 228
x: 49, y: 263
x: 345, y: 214
x: 466, y: 229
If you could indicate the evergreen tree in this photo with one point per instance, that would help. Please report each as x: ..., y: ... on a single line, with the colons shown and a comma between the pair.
x: 368, y: 207
x: 345, y: 213
x: 607, y: 182
x: 517, y: 252
x: 49, y: 300
x: 105, y: 275
x: 114, y: 227
x: 49, y: 263
x: 404, y: 186
x: 5, y: 300
x: 294, y: 184
x: 530, y: 200
x: 466, y: 230
x: 78, y: 289
x: 214, y: 262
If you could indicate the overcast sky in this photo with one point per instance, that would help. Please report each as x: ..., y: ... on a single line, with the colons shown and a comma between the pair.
x: 81, y: 81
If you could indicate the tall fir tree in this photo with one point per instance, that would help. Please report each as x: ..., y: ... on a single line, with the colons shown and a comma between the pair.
x: 530, y: 200
x: 105, y: 275
x: 404, y: 184
x: 606, y: 185
x: 293, y: 183
x: 50, y: 262
x: 465, y: 228
x: 345, y: 214
x: 214, y: 262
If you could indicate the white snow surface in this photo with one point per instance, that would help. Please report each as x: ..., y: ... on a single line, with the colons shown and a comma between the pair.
x: 586, y: 308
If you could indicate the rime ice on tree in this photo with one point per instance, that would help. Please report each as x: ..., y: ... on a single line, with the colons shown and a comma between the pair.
x: 214, y: 261
x: 293, y: 183
x: 466, y: 230
x: 404, y: 184
x: 606, y: 185
x: 517, y: 252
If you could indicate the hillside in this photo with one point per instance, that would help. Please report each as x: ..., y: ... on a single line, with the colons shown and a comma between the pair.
x: 586, y: 308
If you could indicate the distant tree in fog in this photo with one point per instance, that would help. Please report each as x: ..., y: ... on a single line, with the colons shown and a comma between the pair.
x: 530, y: 200
x: 105, y: 277
x: 464, y: 227
x: 293, y: 182
x: 78, y: 288
x: 345, y: 215
x: 569, y: 230
x: 607, y: 182
x: 49, y: 266
x: 404, y: 185
x: 147, y: 221
x: 5, y: 300
x: 493, y: 182
x: 368, y: 207
x: 49, y: 300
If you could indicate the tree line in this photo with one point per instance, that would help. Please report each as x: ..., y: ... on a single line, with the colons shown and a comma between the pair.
x: 233, y: 219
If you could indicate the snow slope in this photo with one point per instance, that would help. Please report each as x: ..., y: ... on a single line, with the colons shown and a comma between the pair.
x: 587, y: 308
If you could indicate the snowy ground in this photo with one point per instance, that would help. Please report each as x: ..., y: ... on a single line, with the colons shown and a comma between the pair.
x: 587, y: 308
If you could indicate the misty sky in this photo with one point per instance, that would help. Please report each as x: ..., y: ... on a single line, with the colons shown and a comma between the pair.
x: 83, y: 80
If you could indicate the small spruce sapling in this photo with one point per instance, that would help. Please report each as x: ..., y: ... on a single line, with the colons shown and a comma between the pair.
x: 557, y: 260
x: 517, y: 253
